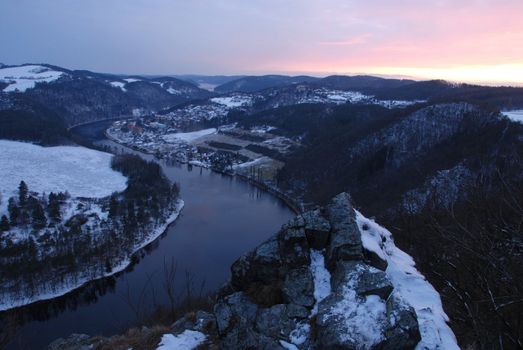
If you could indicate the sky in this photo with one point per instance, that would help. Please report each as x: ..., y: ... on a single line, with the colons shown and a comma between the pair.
x: 460, y: 40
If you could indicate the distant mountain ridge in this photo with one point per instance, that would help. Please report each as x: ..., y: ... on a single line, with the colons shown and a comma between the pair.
x: 258, y: 83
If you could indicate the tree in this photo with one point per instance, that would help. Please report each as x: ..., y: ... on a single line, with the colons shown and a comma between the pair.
x: 113, y: 206
x: 22, y: 193
x: 39, y: 220
x: 53, y: 208
x: 4, y: 224
x: 14, y: 211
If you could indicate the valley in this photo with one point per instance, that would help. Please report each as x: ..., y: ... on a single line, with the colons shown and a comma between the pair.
x: 411, y: 154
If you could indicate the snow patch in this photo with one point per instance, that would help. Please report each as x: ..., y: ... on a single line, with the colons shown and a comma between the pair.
x: 515, y: 115
x: 131, y: 80
x: 321, y: 277
x: 411, y: 286
x: 188, y: 136
x: 187, y: 340
x: 174, y: 91
x: 25, y: 77
x: 118, y: 84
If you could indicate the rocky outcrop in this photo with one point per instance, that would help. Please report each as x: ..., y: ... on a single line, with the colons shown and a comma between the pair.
x: 272, y: 300
x: 311, y: 286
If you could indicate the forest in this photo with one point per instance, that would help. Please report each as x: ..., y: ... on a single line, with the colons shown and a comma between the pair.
x: 41, y: 250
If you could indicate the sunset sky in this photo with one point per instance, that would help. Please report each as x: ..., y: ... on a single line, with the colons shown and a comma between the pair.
x: 466, y: 40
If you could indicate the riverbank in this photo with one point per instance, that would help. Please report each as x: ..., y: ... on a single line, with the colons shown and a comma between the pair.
x: 296, y: 206
x: 8, y: 304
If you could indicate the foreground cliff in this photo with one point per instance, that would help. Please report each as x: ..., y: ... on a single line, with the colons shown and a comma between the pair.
x: 329, y: 279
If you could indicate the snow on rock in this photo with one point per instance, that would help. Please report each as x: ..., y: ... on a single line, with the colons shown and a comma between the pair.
x: 516, y: 115
x: 233, y: 101
x: 321, y: 277
x: 131, y: 80
x: 187, y: 340
x: 80, y: 171
x: 362, y: 318
x: 25, y: 77
x: 410, y: 285
x: 188, y: 136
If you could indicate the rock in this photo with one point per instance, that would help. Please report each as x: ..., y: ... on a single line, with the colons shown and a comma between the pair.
x: 364, y: 279
x: 262, y: 265
x: 297, y: 311
x: 200, y: 321
x: 73, y: 342
x: 233, y: 310
x: 294, y: 248
x: 241, y: 271
x: 331, y: 331
x: 275, y: 322
x: 298, y: 287
x: 317, y: 229
x: 236, y: 317
x: 224, y: 315
x: 374, y: 259
x: 403, y: 329
x: 345, y: 239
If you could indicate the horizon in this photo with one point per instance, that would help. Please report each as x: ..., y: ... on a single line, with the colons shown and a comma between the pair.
x: 290, y: 74
x: 468, y: 42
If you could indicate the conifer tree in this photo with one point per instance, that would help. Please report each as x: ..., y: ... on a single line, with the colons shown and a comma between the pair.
x: 14, y: 211
x: 4, y: 224
x: 22, y: 193
x: 39, y: 220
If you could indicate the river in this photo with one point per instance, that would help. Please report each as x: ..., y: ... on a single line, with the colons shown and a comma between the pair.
x: 223, y: 218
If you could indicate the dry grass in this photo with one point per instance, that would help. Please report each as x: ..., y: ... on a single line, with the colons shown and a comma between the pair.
x: 135, y: 338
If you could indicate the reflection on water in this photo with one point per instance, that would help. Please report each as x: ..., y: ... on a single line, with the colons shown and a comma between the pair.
x: 223, y: 217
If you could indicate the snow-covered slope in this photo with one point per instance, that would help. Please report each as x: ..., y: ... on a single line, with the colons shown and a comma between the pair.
x: 410, y: 286
x: 25, y: 77
x: 80, y: 171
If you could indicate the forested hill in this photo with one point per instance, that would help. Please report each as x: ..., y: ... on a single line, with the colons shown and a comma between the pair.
x: 446, y: 178
x: 82, y: 96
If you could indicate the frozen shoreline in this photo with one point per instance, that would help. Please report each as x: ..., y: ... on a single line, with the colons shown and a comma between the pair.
x: 156, y: 233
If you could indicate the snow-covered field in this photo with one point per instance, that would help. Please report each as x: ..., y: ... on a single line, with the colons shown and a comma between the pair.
x: 188, y: 136
x: 516, y: 115
x: 80, y: 171
x: 233, y: 101
x: 26, y: 77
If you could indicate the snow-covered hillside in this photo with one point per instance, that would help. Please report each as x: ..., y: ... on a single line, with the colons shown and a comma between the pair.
x: 25, y: 77
x: 80, y: 171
